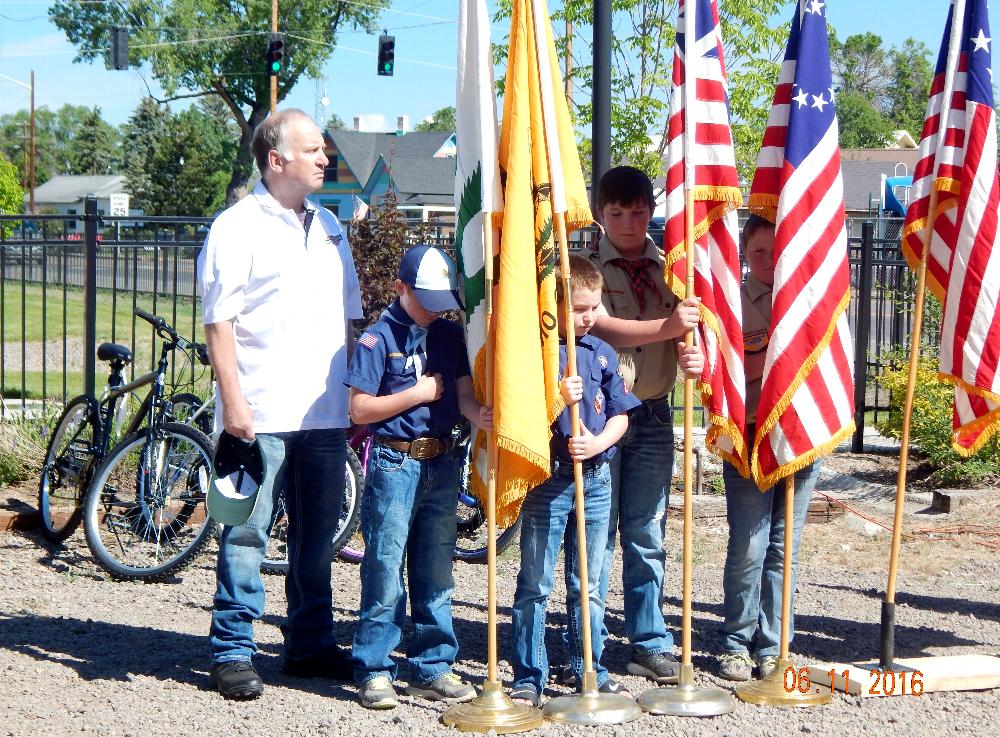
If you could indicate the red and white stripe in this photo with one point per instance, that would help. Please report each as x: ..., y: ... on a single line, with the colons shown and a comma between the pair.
x: 704, y: 163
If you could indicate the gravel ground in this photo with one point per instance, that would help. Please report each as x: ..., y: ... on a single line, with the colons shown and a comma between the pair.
x: 82, y: 654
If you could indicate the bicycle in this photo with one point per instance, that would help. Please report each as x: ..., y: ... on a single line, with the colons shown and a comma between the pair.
x: 83, y: 435
x: 143, y: 507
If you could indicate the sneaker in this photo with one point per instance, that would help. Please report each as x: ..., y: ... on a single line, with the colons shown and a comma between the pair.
x: 736, y: 666
x: 614, y: 687
x: 659, y: 667
x: 236, y: 680
x: 565, y: 676
x: 378, y: 693
x: 766, y: 665
x: 446, y: 687
x: 334, y: 662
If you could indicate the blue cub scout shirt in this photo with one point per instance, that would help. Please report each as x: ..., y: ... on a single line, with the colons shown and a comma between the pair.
x: 604, y: 394
x: 380, y: 367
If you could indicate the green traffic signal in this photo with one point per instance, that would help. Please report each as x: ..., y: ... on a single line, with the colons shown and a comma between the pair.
x: 276, y: 66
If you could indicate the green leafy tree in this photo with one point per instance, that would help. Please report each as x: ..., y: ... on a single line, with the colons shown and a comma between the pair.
x: 861, y: 124
x: 57, y: 140
x: 909, y: 84
x: 95, y: 146
x: 336, y: 123
x: 642, y: 59
x: 143, y: 132
x: 860, y: 64
x: 11, y: 194
x: 196, y: 48
x: 442, y: 120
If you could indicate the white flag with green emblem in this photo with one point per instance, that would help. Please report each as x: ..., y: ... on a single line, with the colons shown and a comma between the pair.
x: 477, y: 177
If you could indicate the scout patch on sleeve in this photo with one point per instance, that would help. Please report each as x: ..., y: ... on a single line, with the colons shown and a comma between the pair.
x: 598, y: 402
x: 603, y: 360
x: 755, y: 342
x: 368, y: 340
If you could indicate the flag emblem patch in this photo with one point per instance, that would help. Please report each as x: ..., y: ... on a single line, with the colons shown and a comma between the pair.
x: 368, y: 340
x: 598, y: 402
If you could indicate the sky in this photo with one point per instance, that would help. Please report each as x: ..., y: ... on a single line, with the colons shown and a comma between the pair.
x: 424, y: 79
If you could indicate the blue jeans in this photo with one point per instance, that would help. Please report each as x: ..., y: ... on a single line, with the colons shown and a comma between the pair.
x: 641, y: 472
x: 407, y: 516
x: 755, y: 559
x: 309, y: 466
x: 548, y: 522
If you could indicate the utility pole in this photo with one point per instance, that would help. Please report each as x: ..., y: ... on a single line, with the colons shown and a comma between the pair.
x: 601, y: 125
x: 274, y: 77
x: 569, y: 63
x: 30, y: 149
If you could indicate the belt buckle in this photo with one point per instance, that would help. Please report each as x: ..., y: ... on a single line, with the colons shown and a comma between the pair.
x: 424, y: 448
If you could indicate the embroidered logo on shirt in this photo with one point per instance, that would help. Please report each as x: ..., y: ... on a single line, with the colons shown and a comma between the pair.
x: 598, y: 402
x: 368, y: 340
x: 755, y: 342
x: 603, y: 360
x: 336, y: 240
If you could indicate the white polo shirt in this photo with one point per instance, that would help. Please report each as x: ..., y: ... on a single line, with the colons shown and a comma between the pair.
x: 289, y: 296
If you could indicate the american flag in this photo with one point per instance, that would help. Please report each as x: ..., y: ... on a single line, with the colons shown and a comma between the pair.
x: 703, y: 165
x: 959, y: 158
x: 807, y: 396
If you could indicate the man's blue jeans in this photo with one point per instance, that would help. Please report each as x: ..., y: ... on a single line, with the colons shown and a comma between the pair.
x: 641, y: 472
x: 309, y: 466
x: 755, y: 559
x: 407, y: 516
x: 548, y: 522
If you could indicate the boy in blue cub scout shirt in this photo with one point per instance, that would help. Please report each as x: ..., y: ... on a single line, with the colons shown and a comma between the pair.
x: 410, y: 381
x: 548, y: 516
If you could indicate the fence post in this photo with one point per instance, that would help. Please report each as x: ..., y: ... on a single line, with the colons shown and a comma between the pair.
x: 863, y: 330
x: 90, y: 218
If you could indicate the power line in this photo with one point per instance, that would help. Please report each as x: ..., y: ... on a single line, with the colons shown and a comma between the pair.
x: 369, y: 53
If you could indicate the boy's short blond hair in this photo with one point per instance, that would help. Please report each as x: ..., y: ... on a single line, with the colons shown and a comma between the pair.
x: 582, y: 273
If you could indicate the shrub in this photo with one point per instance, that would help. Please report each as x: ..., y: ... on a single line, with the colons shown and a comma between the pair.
x: 22, y: 448
x: 931, y: 424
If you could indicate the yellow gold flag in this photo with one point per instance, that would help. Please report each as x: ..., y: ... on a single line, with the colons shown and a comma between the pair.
x: 539, y: 177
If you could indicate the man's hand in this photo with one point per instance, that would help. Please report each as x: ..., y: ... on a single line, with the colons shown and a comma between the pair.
x: 237, y: 418
x: 686, y: 317
x: 571, y: 389
x: 486, y: 418
x: 429, y: 388
x: 583, y: 446
x: 691, y: 360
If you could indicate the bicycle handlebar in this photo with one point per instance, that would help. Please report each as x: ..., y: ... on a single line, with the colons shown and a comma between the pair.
x: 165, y: 331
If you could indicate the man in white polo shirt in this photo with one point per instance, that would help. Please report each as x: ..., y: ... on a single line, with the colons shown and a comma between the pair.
x: 279, y: 289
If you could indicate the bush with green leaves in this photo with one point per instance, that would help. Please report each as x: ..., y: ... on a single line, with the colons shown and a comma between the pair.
x: 22, y: 447
x: 931, y: 424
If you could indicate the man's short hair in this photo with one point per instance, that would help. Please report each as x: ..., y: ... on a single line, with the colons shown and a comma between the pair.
x: 583, y: 273
x: 270, y: 136
x: 751, y: 226
x: 625, y: 186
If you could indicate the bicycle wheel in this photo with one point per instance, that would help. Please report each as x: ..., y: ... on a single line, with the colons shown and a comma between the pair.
x: 68, y: 463
x: 144, y: 513
x: 470, y: 543
x: 184, y: 405
x: 276, y: 558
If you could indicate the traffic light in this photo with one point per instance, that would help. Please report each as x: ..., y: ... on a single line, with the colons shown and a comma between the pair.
x: 386, y: 55
x: 275, y: 53
x: 119, y: 48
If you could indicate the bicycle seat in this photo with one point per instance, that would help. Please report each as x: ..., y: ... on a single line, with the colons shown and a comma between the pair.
x: 113, y: 352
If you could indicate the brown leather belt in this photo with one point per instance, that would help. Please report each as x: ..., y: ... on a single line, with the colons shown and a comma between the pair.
x: 421, y: 449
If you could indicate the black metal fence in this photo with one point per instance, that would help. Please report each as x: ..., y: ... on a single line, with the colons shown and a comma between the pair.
x: 61, y: 294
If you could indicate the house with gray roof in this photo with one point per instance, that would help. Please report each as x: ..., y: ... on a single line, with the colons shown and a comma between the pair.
x: 419, y: 167
x: 63, y: 194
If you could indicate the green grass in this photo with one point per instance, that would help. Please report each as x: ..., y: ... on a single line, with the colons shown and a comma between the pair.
x: 29, y: 307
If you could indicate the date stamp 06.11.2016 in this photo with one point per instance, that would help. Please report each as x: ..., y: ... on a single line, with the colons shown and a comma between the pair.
x: 883, y: 682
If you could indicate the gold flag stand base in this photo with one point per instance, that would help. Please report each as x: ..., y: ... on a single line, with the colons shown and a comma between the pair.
x: 771, y: 691
x: 591, y: 707
x: 492, y: 711
x: 686, y: 699
x: 912, y: 676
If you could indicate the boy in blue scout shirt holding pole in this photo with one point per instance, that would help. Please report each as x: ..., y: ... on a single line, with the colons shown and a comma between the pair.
x: 410, y: 382
x: 548, y: 515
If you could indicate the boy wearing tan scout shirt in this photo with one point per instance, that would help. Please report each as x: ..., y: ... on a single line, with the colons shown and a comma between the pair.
x: 754, y: 559
x: 644, y: 322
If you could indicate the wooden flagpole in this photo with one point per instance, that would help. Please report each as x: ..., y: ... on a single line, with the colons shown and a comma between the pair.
x: 491, y: 466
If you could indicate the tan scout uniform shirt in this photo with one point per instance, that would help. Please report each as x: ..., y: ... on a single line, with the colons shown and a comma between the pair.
x: 649, y: 371
x: 756, y: 298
